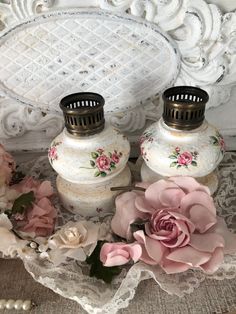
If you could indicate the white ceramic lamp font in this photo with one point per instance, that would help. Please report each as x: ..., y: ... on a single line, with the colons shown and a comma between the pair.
x: 90, y: 156
x: 182, y: 142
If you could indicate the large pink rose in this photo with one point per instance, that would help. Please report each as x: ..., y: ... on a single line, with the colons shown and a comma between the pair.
x: 169, y: 227
x: 103, y: 163
x: 115, y: 254
x: 40, y: 219
x: 185, y: 159
x: 7, y: 166
x: 40, y: 189
x: 178, y: 229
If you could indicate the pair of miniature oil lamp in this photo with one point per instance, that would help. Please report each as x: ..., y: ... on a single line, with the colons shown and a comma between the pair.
x: 90, y: 156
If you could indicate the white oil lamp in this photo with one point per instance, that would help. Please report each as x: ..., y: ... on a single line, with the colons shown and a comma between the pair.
x: 182, y: 142
x: 90, y: 156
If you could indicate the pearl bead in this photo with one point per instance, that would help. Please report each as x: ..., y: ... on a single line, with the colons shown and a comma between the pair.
x: 10, y: 304
x: 33, y: 245
x: 18, y: 304
x: 2, y: 304
x: 15, y: 304
x: 26, y: 305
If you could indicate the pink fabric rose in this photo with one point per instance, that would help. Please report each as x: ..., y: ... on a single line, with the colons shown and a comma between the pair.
x: 40, y: 189
x: 180, y: 227
x: 115, y: 254
x: 185, y: 159
x: 115, y: 158
x: 169, y: 227
x: 7, y: 166
x: 40, y: 219
x: 103, y: 162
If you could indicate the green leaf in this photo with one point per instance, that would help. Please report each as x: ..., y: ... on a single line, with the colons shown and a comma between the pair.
x: 178, y: 166
x: 97, y: 174
x: 92, y: 163
x: 94, y: 155
x: 194, y: 163
x: 103, y: 174
x: 173, y: 164
x: 110, y: 154
x: 23, y: 202
x: 97, y: 269
x: 113, y: 165
x: 215, y: 140
x: 172, y: 156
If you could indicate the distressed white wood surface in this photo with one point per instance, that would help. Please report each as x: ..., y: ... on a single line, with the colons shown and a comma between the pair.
x: 203, y: 34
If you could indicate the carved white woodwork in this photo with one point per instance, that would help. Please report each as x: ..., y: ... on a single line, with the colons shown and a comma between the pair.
x: 127, y: 50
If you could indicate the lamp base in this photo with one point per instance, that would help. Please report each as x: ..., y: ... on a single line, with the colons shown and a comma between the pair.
x: 89, y: 200
x: 211, y: 180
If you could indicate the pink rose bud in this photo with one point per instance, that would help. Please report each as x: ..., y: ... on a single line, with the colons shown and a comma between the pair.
x: 115, y: 254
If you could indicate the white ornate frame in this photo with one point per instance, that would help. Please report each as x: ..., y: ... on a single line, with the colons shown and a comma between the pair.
x: 206, y: 41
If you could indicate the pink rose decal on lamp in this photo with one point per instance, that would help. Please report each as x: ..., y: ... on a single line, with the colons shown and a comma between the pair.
x: 52, y: 152
x: 175, y: 223
x: 184, y: 159
x: 104, y: 163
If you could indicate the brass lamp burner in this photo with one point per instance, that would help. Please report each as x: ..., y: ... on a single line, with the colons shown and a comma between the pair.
x: 184, y: 107
x: 83, y: 113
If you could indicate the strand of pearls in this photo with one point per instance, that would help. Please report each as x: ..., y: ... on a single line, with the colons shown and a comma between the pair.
x: 16, y: 304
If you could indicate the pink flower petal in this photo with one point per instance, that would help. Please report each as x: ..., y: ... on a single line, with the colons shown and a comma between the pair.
x: 115, y: 254
x: 207, y: 242
x: 135, y: 251
x: 171, y: 197
x: 176, y: 242
x: 154, y: 249
x: 197, y: 198
x: 181, y: 217
x: 189, y: 184
x: 214, y: 263
x: 202, y: 218
x: 126, y: 213
x: 142, y: 205
x: 189, y: 255
x: 45, y: 190
x: 171, y: 267
x: 230, y: 238
x: 153, y: 191
x: 116, y: 260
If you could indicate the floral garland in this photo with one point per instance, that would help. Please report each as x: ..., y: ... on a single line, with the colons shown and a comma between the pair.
x: 171, y: 223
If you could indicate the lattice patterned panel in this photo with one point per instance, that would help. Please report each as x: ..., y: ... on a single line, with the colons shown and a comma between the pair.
x: 125, y: 59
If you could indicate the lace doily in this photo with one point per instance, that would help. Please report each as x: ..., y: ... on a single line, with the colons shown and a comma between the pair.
x: 72, y: 281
